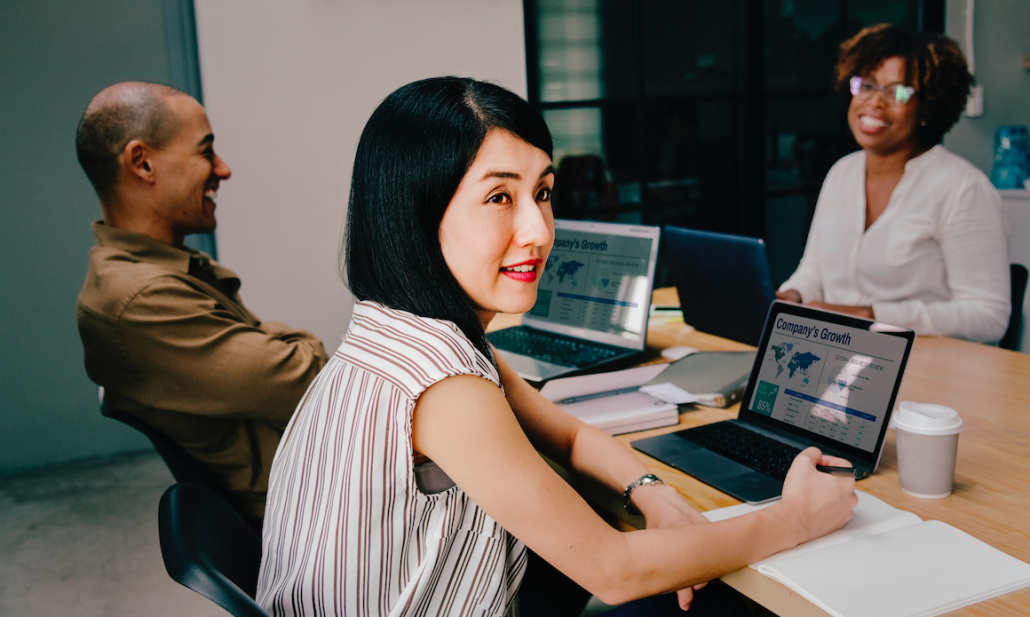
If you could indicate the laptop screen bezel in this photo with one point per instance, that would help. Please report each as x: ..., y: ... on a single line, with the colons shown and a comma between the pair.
x: 652, y: 233
x: 854, y: 454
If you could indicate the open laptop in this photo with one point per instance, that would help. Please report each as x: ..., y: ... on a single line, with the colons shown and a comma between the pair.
x: 723, y: 282
x: 592, y: 302
x: 819, y: 379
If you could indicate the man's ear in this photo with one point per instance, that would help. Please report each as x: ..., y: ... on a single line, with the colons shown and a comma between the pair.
x: 137, y: 158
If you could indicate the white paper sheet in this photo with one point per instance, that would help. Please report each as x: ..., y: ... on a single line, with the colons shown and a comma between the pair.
x: 669, y: 393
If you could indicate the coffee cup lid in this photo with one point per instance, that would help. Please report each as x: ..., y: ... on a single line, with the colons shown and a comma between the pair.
x: 927, y: 419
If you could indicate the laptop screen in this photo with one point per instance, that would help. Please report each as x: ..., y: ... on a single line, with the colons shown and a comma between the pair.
x: 830, y: 375
x: 597, y: 279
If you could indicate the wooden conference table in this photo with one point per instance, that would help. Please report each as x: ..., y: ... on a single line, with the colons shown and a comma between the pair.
x: 990, y: 389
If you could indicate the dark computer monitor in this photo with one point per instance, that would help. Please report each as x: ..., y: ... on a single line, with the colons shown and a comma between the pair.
x: 723, y: 282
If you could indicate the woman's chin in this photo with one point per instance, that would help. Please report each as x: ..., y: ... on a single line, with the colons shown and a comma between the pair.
x: 516, y: 308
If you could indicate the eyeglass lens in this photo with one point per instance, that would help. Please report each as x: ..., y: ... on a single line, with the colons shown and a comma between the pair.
x: 893, y: 94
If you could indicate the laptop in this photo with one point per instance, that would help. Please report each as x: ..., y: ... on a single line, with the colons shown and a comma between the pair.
x: 723, y: 282
x: 819, y: 379
x: 591, y: 305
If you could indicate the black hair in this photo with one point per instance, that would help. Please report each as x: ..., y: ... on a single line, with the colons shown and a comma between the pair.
x: 119, y: 114
x: 411, y: 157
x: 934, y: 66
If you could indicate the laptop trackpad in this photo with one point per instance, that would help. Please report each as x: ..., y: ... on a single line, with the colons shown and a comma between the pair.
x: 705, y: 464
x: 733, y: 478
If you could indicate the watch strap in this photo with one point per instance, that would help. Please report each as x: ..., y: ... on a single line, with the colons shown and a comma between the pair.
x: 644, y: 480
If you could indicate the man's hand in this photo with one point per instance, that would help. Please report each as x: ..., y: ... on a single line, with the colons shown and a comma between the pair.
x: 662, y: 507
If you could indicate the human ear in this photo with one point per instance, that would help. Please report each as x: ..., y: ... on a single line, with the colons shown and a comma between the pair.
x: 137, y: 158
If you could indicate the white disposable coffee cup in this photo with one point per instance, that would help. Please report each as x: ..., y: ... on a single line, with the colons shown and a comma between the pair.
x: 927, y: 440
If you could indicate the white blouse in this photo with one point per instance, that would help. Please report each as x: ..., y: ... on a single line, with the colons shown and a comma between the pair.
x: 347, y: 529
x: 935, y: 261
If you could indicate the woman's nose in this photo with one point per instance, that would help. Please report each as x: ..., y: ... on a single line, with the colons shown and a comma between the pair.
x: 535, y: 226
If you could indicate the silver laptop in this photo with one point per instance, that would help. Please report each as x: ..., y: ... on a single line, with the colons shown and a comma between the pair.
x: 819, y: 379
x: 592, y: 302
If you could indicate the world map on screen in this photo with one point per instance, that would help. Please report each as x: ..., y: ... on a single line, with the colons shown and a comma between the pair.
x: 799, y: 362
x: 564, y: 269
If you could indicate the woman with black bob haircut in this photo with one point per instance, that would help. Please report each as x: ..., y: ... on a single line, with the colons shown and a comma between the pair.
x: 905, y: 232
x: 408, y: 481
x: 410, y: 160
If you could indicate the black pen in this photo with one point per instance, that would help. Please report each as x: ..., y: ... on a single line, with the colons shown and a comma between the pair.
x: 831, y: 469
x: 596, y: 395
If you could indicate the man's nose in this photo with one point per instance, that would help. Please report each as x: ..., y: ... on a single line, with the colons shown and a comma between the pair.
x: 221, y: 169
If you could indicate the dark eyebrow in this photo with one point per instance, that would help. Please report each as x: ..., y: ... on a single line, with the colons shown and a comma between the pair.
x: 510, y: 175
x: 208, y: 139
x: 507, y: 175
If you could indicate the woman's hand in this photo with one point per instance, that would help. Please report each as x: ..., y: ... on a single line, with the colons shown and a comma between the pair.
x: 818, y: 502
x: 663, y: 506
x: 790, y: 295
x: 865, y: 312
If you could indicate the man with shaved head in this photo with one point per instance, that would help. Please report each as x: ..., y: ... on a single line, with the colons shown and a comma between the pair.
x: 163, y: 327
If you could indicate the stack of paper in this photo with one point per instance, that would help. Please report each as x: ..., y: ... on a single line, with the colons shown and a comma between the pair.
x: 612, y: 401
x: 888, y: 563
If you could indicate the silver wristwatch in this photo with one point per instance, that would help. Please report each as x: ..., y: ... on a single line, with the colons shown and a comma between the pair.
x: 645, y: 480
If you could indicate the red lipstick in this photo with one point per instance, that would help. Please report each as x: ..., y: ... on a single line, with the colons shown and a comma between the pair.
x: 523, y: 277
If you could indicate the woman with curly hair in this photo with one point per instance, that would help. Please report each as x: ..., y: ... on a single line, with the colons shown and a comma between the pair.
x: 905, y: 232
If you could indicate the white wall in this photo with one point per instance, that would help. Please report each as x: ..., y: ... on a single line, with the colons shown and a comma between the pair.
x: 1001, y: 38
x: 288, y: 87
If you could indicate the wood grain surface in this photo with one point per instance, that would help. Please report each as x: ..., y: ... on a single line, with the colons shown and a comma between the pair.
x: 990, y: 389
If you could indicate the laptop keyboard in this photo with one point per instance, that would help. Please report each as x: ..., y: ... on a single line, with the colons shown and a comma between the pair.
x: 771, y: 457
x: 548, y: 348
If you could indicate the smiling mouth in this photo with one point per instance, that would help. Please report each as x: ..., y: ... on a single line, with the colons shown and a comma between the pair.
x: 873, y: 123
x: 212, y: 195
x: 519, y: 268
x: 523, y: 273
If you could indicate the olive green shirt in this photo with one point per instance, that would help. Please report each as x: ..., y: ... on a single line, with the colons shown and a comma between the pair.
x: 166, y: 335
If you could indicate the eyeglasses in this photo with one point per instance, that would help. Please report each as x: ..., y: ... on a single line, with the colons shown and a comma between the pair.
x: 893, y: 94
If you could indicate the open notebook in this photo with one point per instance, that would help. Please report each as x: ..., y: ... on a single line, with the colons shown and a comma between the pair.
x: 888, y: 563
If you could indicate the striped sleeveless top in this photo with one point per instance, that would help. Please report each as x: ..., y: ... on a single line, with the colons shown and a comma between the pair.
x: 347, y: 529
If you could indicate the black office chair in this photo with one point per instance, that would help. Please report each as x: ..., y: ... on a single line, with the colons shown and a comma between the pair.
x: 1019, y: 275
x: 184, y: 467
x: 209, y: 548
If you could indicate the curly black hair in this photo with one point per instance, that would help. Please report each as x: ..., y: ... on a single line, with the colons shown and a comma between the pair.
x: 934, y: 66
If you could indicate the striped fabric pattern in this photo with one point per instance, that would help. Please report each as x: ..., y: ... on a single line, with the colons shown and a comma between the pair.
x: 347, y: 532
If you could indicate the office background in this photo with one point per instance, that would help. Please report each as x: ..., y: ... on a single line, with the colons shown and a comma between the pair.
x: 288, y: 87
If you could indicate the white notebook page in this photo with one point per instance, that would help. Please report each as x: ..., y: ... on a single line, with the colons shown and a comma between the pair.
x: 915, y: 571
x: 887, y: 563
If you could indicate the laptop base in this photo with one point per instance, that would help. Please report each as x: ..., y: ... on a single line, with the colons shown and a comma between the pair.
x: 713, y: 469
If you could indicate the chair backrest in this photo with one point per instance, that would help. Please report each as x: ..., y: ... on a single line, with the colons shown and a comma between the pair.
x: 209, y: 548
x: 1019, y: 276
x: 184, y: 467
